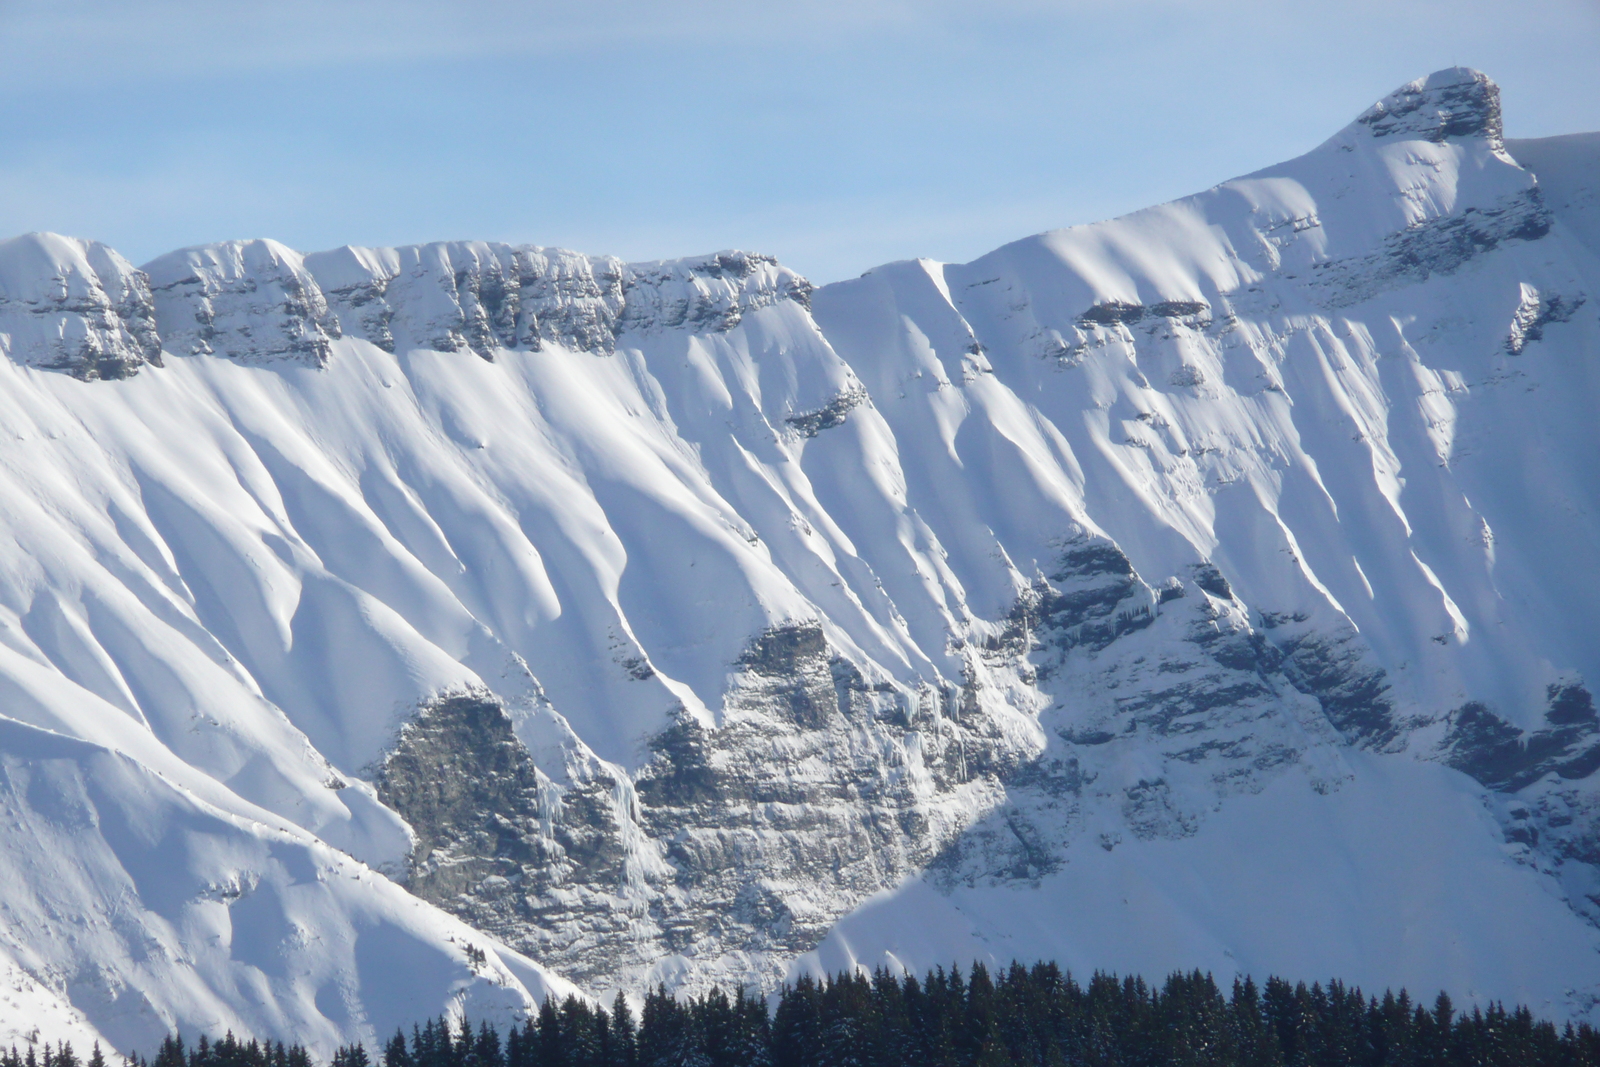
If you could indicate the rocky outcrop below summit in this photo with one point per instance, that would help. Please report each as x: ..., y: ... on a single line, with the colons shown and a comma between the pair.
x: 1507, y: 759
x: 738, y: 846
x: 1547, y: 804
x: 1435, y: 247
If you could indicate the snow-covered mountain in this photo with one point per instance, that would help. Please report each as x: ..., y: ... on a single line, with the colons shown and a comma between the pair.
x: 1209, y: 587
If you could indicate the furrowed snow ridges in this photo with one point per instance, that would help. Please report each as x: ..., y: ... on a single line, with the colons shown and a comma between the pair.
x: 679, y: 622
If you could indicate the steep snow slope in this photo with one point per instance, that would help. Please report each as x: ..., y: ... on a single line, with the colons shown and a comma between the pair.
x: 1329, y: 898
x: 1566, y: 169
x: 1357, y: 385
x: 653, y: 618
x: 1306, y: 361
x: 172, y: 910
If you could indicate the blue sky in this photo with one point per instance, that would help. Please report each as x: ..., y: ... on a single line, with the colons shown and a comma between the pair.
x: 836, y: 135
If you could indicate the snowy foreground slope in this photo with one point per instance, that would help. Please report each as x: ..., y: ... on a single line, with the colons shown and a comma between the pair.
x: 1210, y: 587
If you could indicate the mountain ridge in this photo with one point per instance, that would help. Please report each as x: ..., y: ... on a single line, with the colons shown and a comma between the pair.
x: 681, y: 622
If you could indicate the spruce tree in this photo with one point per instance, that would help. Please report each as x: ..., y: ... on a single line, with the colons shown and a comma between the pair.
x: 624, y: 1034
x: 752, y: 1042
x: 394, y: 1053
x: 796, y: 1026
x: 171, y: 1053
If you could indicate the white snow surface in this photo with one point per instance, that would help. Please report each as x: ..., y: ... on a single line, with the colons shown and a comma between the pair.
x: 180, y: 912
x: 1330, y: 897
x: 1362, y: 384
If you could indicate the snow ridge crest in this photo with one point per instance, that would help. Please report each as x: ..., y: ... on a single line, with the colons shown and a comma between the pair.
x: 480, y: 296
x: 78, y: 306
x: 75, y: 306
x: 253, y: 301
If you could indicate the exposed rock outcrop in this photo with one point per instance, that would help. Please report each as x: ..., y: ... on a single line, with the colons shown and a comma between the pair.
x: 75, y: 306
x: 252, y: 301
x: 1437, y: 246
x: 1507, y: 759
x: 1458, y: 102
x: 474, y: 296
x: 829, y: 415
x: 481, y: 297
x: 737, y: 846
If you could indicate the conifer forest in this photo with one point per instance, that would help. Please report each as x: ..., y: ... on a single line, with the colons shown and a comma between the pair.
x: 1022, y: 1017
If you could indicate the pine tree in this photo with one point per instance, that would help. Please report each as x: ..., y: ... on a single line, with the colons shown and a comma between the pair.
x: 579, y: 1033
x: 394, y: 1053
x: 486, y: 1050
x: 552, y: 1045
x: 1256, y: 1041
x: 171, y: 1053
x: 752, y: 1042
x: 624, y: 1034
x: 668, y: 1034
x: 840, y: 1037
x: 797, y: 1025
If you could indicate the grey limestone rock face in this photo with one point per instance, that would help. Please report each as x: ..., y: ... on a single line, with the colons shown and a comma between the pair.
x: 78, y: 307
x: 1508, y: 759
x: 481, y: 297
x: 1161, y: 703
x: 502, y: 845
x: 1549, y: 798
x: 817, y: 790
x: 472, y: 794
x: 829, y: 415
x: 1336, y: 669
x: 705, y: 293
x: 1458, y: 102
x: 1439, y: 246
x: 575, y: 299
x: 251, y: 301
x: 259, y: 302
x: 736, y: 847
x: 1113, y: 312
x: 1536, y: 311
x: 473, y: 296
x: 1092, y: 597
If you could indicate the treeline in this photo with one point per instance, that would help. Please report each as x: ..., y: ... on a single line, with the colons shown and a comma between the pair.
x: 1034, y: 1017
x: 45, y: 1056
x: 1024, y: 1017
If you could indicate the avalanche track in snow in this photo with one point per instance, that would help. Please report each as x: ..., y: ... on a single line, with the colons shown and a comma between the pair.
x: 1209, y: 587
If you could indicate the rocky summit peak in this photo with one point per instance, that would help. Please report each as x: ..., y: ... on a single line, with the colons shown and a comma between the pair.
x: 1454, y: 102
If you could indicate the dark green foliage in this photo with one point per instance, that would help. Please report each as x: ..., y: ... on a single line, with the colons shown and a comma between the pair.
x: 1019, y: 1017
x: 228, y: 1052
